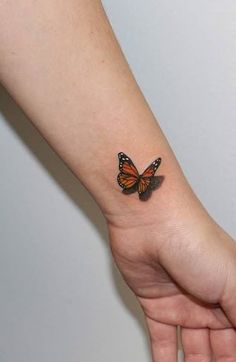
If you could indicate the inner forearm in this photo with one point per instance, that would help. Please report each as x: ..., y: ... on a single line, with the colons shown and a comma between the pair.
x: 61, y: 62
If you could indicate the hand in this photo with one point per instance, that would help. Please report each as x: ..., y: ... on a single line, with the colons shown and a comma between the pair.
x: 183, y: 271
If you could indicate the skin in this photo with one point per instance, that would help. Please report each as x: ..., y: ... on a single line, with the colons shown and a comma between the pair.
x: 62, y: 64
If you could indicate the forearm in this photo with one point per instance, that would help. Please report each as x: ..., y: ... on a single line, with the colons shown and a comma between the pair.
x: 62, y: 64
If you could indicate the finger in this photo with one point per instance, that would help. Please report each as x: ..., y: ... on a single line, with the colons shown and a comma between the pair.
x: 196, y: 344
x: 163, y: 341
x: 228, y: 305
x: 223, y: 343
x: 227, y: 299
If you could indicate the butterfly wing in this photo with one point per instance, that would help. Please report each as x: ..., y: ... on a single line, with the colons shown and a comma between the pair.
x: 128, y: 176
x: 143, y: 184
x: 150, y: 171
x: 146, y: 178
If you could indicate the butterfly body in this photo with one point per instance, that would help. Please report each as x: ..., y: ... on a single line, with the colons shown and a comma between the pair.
x: 131, y: 181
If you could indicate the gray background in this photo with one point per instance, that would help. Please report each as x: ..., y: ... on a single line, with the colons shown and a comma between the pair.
x: 61, y: 298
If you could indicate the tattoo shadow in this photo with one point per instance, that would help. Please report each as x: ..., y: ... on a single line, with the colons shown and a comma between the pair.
x: 71, y: 186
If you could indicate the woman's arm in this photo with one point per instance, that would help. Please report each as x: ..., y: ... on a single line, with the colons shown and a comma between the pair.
x: 62, y: 64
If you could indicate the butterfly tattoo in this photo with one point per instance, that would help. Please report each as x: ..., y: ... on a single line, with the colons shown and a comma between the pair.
x: 131, y: 181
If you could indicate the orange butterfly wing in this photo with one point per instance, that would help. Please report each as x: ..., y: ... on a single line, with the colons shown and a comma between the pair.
x: 143, y: 185
x: 145, y: 178
x: 128, y: 176
x: 150, y: 171
x: 126, y: 181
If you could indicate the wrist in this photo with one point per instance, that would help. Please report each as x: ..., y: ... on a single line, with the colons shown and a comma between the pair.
x: 172, y: 202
